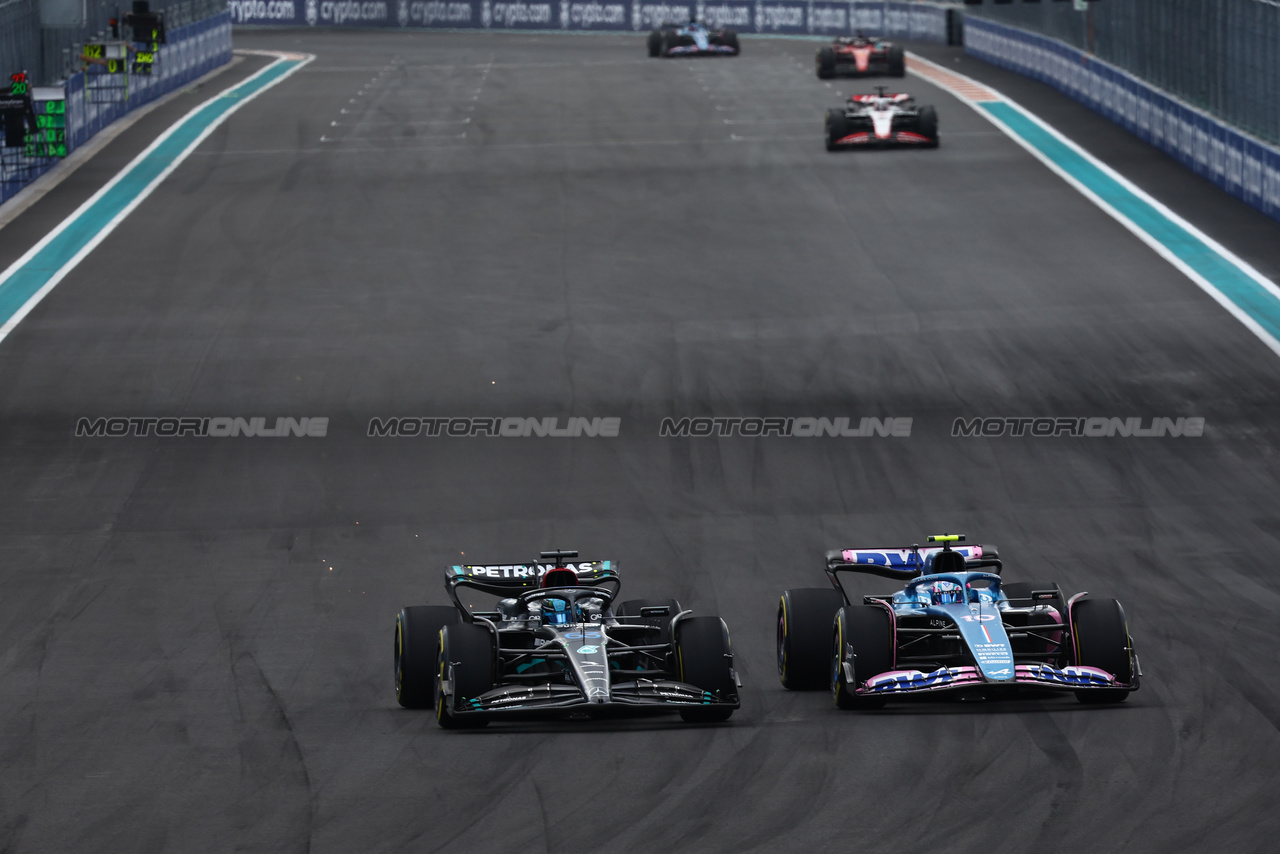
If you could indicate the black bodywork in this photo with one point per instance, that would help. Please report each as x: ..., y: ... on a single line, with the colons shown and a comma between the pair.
x: 584, y: 657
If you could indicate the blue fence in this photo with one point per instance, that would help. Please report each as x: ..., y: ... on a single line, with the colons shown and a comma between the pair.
x: 1243, y: 166
x: 916, y: 20
x: 190, y: 52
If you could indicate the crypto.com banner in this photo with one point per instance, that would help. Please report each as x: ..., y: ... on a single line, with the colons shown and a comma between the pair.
x: 925, y: 21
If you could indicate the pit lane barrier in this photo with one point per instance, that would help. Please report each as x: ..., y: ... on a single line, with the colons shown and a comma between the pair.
x: 189, y: 52
x: 1243, y: 166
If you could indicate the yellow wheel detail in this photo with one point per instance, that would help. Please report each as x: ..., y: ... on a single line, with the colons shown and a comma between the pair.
x: 440, y: 679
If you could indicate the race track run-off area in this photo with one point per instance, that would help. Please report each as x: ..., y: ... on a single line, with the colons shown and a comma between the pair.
x: 534, y: 250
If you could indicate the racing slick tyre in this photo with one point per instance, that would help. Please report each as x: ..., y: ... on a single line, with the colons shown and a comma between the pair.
x: 730, y: 39
x: 669, y: 40
x: 1019, y: 593
x: 863, y: 639
x: 655, y: 43
x: 804, y: 636
x: 897, y: 61
x: 1100, y: 636
x: 826, y: 62
x: 837, y: 128
x: 704, y: 660
x: 417, y: 630
x: 928, y: 124
x: 465, y: 655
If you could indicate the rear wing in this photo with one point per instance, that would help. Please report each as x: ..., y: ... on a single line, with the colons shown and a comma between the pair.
x: 511, y: 579
x: 904, y: 564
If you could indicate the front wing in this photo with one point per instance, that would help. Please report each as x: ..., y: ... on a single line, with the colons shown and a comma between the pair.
x: 709, y: 50
x: 846, y: 66
x: 1038, y: 676
x: 868, y: 139
x: 624, y: 698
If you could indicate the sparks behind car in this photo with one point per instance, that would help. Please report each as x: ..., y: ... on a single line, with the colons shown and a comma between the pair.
x: 557, y: 646
x: 955, y: 627
x: 692, y: 39
x: 881, y: 120
x: 856, y: 56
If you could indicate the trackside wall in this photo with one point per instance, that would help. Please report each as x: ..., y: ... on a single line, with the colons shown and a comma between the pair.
x: 1240, y: 164
x: 919, y: 20
x: 190, y: 51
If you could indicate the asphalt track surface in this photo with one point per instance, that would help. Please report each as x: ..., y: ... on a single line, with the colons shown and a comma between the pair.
x: 197, y: 633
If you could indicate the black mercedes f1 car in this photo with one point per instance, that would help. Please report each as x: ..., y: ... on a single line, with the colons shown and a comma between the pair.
x: 557, y: 645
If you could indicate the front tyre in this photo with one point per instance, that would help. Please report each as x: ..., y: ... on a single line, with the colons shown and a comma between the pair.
x: 862, y: 639
x: 826, y: 62
x: 417, y: 628
x: 465, y: 657
x: 704, y: 659
x: 730, y: 38
x: 836, y: 128
x: 1100, y: 637
x: 897, y: 61
x: 804, y: 636
x: 655, y: 43
x: 928, y: 124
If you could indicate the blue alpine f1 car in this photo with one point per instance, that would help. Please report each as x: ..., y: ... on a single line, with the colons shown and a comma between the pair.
x: 955, y: 626
x: 692, y: 39
x: 557, y: 646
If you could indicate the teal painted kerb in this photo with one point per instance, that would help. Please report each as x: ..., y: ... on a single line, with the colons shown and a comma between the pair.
x: 1253, y: 299
x: 28, y: 279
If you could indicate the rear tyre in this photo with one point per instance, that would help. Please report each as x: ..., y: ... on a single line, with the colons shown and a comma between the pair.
x: 464, y: 654
x: 837, y: 128
x: 705, y: 659
x: 1100, y: 635
x: 804, y: 636
x: 826, y: 62
x: 897, y: 61
x: 655, y: 43
x: 929, y: 124
x: 863, y: 639
x: 417, y: 630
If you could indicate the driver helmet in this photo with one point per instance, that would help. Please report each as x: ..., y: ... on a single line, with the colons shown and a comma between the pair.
x: 555, y: 612
x: 944, y: 592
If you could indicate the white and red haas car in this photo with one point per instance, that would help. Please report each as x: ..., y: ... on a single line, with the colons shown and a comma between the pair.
x: 881, y: 120
x: 857, y: 56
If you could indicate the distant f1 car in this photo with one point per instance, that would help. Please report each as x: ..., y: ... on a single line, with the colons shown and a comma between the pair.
x: 692, y: 39
x: 956, y: 626
x: 557, y: 646
x: 859, y: 56
x: 882, y: 119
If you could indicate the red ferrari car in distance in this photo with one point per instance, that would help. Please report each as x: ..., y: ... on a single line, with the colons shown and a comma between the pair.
x: 858, y: 56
